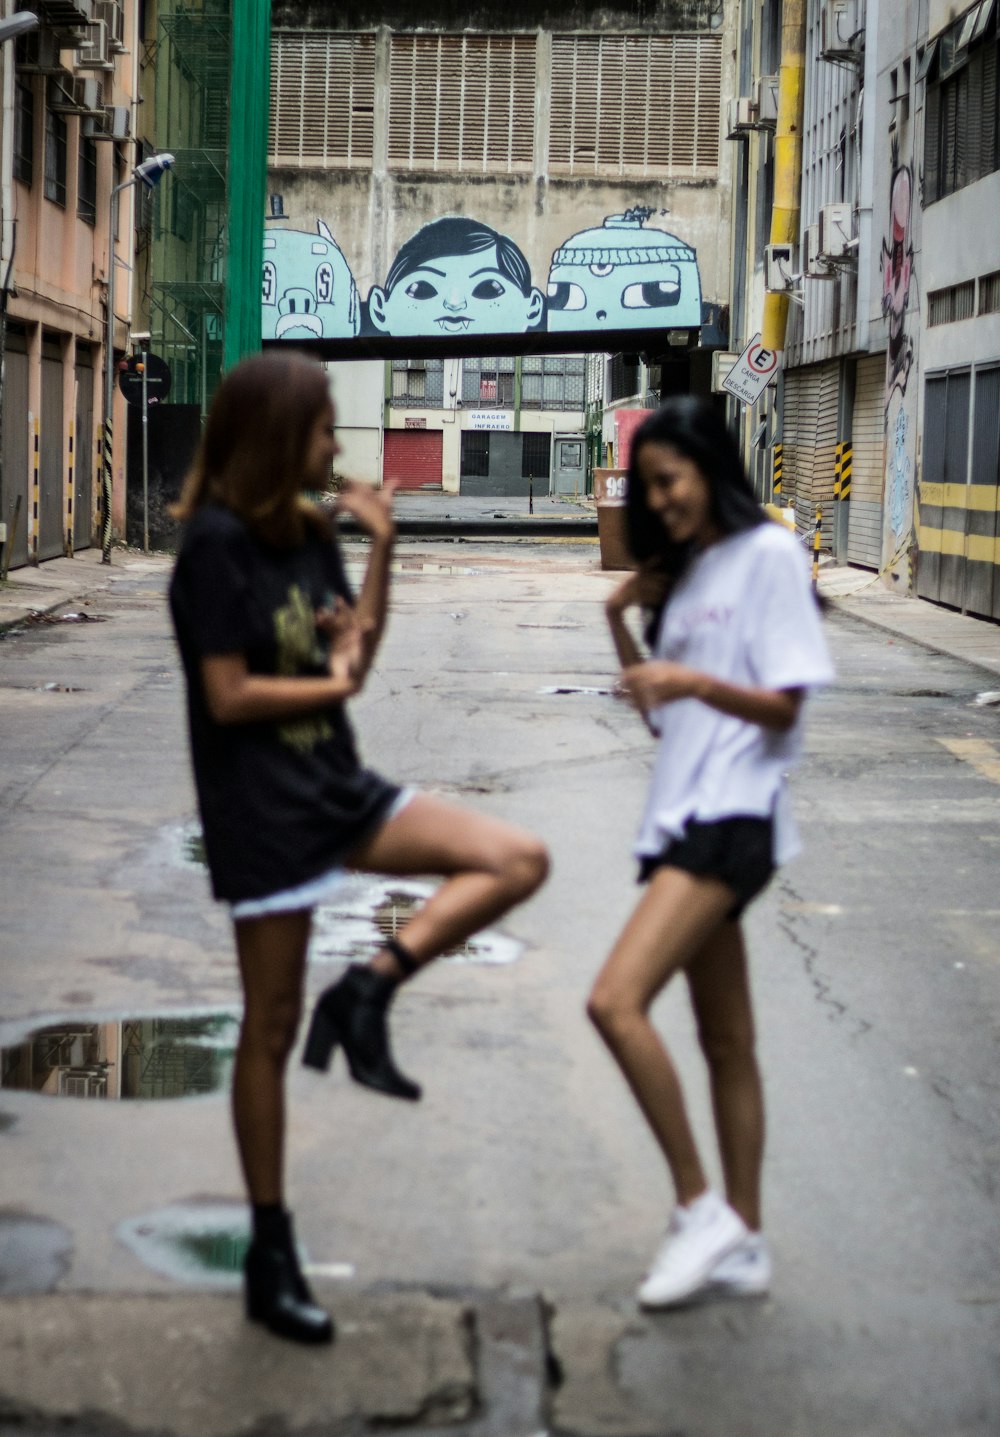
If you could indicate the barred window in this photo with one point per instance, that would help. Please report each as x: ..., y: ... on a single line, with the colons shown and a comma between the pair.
x: 417, y: 384
x: 86, y: 199
x: 958, y: 301
x: 462, y: 102
x: 635, y: 104
x: 536, y: 455
x: 624, y: 377
x: 322, y: 98
x: 55, y: 157
x: 557, y: 381
x: 475, y: 460
x: 488, y: 383
x: 989, y: 293
x: 24, y: 131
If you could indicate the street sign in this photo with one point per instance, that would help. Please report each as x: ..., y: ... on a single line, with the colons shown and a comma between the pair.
x: 752, y: 372
x: 130, y: 378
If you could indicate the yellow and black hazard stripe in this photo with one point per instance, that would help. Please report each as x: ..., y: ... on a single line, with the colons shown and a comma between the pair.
x: 842, y: 471
x: 776, y: 475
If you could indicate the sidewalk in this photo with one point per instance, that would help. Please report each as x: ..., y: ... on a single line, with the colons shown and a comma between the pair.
x: 61, y: 584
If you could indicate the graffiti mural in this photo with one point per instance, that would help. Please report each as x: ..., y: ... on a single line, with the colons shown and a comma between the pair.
x: 459, y: 276
x: 624, y: 276
x: 307, y: 289
x: 897, y: 276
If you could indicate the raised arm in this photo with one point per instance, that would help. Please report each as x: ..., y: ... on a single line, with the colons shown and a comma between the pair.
x: 372, y: 510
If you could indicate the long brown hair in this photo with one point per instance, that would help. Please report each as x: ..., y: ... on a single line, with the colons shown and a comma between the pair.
x: 253, y: 450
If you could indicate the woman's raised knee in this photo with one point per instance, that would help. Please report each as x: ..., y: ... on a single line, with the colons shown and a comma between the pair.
x: 526, y: 867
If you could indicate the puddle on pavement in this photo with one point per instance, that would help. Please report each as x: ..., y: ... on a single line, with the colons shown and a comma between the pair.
x: 366, y: 911
x: 146, y: 1058
x: 35, y: 1253
x: 204, y: 1242
x: 576, y: 689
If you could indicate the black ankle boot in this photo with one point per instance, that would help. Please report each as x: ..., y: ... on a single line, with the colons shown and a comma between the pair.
x: 278, y: 1296
x: 354, y: 1013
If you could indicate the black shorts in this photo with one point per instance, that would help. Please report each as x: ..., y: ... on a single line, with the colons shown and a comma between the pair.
x: 740, y: 851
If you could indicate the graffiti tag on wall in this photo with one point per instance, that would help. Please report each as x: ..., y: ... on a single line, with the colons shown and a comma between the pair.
x: 458, y: 276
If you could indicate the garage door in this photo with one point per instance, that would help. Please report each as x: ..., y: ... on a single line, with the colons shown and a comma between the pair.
x: 809, y: 431
x: 413, y: 457
x: 864, y: 526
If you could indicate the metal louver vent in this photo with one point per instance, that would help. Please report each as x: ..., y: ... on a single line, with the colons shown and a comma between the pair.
x: 322, y: 98
x: 635, y: 104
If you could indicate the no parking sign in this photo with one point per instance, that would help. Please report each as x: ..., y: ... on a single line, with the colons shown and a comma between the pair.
x: 752, y: 372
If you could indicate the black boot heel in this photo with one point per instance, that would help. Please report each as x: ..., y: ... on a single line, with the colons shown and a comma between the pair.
x: 354, y: 1013
x: 321, y: 1041
x: 278, y: 1296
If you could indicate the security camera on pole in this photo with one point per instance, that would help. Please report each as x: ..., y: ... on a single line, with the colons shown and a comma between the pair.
x: 149, y: 173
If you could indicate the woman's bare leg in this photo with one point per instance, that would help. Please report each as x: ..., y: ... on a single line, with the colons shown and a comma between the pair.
x: 488, y: 867
x: 272, y: 956
x: 720, y: 994
x: 675, y: 918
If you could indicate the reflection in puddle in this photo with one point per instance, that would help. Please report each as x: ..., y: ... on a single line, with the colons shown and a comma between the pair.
x: 204, y: 1242
x: 367, y: 910
x: 133, y: 1058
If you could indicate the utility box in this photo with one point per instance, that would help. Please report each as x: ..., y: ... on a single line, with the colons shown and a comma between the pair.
x: 780, y: 268
x: 610, y: 491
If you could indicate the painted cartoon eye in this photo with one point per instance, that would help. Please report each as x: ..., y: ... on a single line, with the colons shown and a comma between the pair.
x: 601, y: 269
x: 420, y: 289
x: 660, y: 295
x: 488, y: 289
x: 566, y: 296
x: 324, y: 283
x: 270, y: 283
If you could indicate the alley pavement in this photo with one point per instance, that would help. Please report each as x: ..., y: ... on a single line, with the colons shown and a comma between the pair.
x: 480, y: 1250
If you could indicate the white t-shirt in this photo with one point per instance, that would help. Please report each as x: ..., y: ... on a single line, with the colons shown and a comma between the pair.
x: 743, y: 612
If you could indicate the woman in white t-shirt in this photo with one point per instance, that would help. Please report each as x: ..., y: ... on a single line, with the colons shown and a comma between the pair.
x: 737, y: 643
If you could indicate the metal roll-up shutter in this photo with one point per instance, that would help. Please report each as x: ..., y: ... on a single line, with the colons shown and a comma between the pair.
x: 84, y: 458
x: 16, y: 484
x: 52, y: 455
x: 864, y: 530
x: 413, y: 457
x: 809, y: 431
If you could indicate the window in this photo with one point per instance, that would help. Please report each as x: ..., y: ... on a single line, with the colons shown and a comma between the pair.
x: 488, y: 383
x: 24, y: 131
x: 417, y: 383
x: 557, y: 381
x: 322, y: 98
x: 624, y: 376
x: 961, y: 141
x: 635, y: 104
x: 462, y: 102
x: 536, y: 455
x: 475, y: 463
x: 86, y: 201
x: 55, y: 157
x: 958, y: 301
x: 989, y: 293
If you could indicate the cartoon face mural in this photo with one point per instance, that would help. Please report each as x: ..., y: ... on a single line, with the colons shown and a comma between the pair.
x: 623, y: 276
x: 456, y: 276
x: 897, y: 274
x: 307, y: 289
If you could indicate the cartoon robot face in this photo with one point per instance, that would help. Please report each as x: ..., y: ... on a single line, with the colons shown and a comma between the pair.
x: 308, y: 291
x: 623, y: 276
x: 455, y: 294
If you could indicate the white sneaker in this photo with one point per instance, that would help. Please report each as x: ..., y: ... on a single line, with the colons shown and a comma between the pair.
x: 746, y: 1271
x: 699, y: 1237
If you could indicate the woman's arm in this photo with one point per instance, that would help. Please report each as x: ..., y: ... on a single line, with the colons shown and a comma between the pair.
x: 657, y: 682
x: 643, y: 588
x: 372, y: 510
x: 235, y: 696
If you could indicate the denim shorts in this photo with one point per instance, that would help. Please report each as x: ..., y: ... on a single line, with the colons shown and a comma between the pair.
x: 738, y: 850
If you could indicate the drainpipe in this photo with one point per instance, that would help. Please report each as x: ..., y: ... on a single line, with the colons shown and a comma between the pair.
x: 787, y: 158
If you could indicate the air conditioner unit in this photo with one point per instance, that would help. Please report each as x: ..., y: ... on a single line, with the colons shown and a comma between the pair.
x: 765, y: 100
x: 73, y: 95
x: 840, y: 30
x: 41, y: 53
x: 740, y: 118
x: 95, y: 51
x: 112, y: 12
x: 119, y: 121
x: 781, y: 274
x: 815, y: 266
x: 836, y: 232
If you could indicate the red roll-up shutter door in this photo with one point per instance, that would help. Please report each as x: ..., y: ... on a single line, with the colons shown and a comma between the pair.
x: 413, y: 457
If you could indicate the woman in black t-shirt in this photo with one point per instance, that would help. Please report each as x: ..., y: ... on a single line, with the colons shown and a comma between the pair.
x: 273, y: 643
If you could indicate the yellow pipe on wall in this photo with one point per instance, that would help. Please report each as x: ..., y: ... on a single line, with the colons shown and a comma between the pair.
x: 787, y: 158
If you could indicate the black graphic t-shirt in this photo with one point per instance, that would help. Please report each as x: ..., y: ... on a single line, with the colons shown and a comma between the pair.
x: 281, y: 801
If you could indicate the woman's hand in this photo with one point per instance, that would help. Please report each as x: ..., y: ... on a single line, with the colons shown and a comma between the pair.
x: 346, y: 634
x: 644, y: 588
x: 371, y: 508
x: 658, y: 682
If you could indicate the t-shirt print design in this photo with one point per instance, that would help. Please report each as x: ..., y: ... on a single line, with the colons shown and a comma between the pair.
x: 299, y: 651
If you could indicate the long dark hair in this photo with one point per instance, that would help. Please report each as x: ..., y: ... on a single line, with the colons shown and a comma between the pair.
x: 695, y: 429
x: 254, y: 447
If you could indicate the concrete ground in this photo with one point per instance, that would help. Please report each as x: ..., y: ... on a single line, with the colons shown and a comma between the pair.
x: 480, y: 1251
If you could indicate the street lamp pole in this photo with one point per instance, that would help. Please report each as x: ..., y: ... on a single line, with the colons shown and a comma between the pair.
x: 149, y: 173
